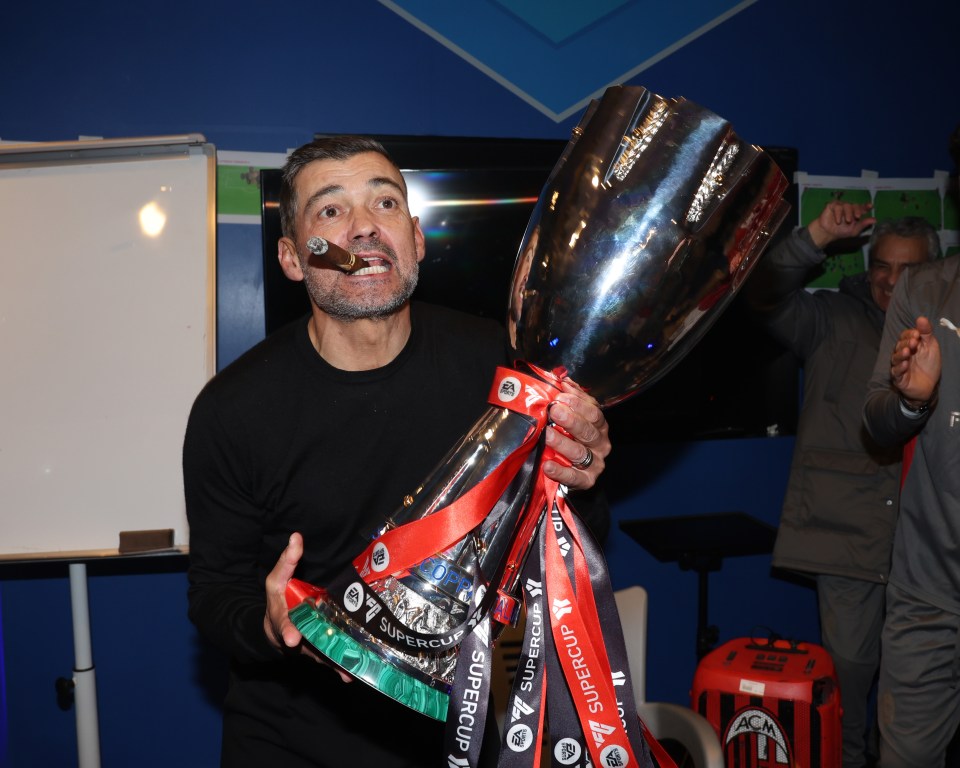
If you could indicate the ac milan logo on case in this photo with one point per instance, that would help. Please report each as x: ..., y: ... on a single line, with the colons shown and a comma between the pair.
x: 761, y: 739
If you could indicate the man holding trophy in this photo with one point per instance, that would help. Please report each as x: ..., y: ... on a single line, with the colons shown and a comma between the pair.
x: 648, y: 225
x: 296, y: 452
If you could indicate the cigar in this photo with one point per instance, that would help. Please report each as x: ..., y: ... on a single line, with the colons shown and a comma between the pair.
x: 335, y: 256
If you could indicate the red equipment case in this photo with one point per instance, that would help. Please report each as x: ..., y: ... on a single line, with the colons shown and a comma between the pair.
x: 773, y: 703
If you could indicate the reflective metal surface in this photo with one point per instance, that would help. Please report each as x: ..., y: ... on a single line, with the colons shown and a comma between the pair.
x: 427, y: 599
x: 648, y: 225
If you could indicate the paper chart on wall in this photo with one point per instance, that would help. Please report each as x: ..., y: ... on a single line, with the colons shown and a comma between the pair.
x: 891, y: 198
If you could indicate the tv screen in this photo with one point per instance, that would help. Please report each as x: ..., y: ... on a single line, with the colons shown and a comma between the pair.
x: 474, y: 197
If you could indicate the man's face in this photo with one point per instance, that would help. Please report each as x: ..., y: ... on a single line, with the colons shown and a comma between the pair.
x: 891, y: 255
x: 358, y: 204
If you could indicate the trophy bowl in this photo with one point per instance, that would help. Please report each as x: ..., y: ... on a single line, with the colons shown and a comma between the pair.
x: 649, y: 223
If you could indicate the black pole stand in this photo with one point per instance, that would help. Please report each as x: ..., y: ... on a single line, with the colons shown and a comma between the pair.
x: 699, y: 543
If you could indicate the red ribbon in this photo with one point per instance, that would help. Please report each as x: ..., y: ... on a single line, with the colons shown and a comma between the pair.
x: 578, y: 638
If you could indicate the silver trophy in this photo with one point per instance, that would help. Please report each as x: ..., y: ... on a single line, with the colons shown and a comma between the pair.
x: 648, y: 225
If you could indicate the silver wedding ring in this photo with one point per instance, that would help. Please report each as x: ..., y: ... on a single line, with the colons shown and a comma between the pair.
x: 586, y: 461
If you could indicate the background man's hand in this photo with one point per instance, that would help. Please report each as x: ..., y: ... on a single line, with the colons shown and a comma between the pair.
x: 839, y: 220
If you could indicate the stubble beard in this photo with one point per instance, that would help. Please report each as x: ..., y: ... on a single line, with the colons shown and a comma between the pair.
x: 335, y: 304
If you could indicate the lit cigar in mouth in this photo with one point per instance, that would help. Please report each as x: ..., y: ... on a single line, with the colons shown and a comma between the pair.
x: 334, y: 255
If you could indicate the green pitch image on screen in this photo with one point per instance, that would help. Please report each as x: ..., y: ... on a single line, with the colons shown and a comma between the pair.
x: 238, y: 190
x: 837, y: 265
x: 897, y: 203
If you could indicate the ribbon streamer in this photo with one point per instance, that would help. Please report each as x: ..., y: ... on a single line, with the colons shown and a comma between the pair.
x: 572, y: 638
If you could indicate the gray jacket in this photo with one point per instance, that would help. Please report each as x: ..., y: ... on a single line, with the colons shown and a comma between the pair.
x: 926, y: 560
x: 840, y: 508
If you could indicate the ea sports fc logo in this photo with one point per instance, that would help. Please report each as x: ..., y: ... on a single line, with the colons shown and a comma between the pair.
x: 509, y: 389
x: 758, y: 738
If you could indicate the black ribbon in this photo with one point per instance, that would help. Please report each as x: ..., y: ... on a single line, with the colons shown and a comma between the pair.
x: 539, y: 659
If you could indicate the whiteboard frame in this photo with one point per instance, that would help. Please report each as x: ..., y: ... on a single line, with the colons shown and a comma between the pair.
x: 94, y: 152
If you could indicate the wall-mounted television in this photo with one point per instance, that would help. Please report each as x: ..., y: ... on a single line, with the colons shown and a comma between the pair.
x: 474, y: 197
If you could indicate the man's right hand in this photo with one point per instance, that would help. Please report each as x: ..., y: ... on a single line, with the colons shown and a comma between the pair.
x: 280, y: 631
x: 839, y: 220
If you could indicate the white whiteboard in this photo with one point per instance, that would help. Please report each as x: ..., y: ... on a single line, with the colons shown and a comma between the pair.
x: 106, y: 337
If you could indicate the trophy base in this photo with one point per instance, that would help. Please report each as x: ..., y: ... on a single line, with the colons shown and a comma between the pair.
x: 365, y: 663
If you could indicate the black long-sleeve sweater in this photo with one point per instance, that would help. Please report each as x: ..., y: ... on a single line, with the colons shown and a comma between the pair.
x: 280, y: 441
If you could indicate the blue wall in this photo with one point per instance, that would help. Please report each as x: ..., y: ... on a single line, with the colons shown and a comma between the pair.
x: 841, y: 82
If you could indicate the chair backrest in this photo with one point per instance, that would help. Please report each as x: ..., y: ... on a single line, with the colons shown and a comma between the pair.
x: 632, y: 607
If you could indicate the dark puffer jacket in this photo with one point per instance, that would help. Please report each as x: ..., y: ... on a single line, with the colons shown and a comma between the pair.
x: 840, y: 508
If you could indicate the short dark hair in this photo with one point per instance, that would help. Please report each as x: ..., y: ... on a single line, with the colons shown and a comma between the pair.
x: 325, y: 148
x: 908, y: 226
